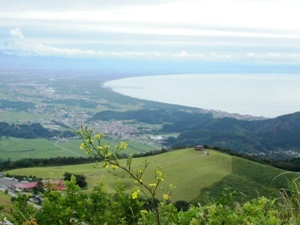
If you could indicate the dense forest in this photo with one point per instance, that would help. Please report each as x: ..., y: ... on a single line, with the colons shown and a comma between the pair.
x: 35, y: 130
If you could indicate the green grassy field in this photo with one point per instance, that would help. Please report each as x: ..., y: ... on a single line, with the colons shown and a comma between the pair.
x: 187, y: 169
x: 250, y: 180
x: 190, y: 171
x: 20, y: 116
x: 20, y: 148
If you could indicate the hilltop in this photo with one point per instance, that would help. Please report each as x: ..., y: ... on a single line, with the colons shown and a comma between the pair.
x: 194, y: 173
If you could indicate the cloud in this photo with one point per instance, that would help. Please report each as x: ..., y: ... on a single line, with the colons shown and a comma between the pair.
x: 18, y: 44
x: 274, y: 57
x: 16, y: 33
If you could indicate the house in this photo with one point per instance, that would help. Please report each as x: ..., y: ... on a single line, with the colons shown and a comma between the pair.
x: 28, y: 186
x: 199, y: 148
x: 55, y: 184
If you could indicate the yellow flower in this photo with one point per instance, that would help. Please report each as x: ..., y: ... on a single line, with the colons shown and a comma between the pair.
x: 82, y: 146
x: 134, y: 194
x: 166, y: 196
x: 152, y: 184
x: 115, y: 166
x: 172, y: 186
x: 143, y: 211
x: 98, y: 136
x: 159, y: 175
x: 122, y: 146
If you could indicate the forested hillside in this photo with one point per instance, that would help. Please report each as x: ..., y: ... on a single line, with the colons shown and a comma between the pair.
x: 35, y: 130
x: 281, y: 133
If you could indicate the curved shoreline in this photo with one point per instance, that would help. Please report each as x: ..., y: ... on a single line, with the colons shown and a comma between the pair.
x: 246, y: 94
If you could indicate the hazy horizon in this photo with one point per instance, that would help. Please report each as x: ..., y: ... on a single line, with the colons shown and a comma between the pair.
x: 151, y: 37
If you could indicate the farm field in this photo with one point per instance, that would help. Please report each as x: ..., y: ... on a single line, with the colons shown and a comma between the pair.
x: 20, y: 148
x: 16, y: 117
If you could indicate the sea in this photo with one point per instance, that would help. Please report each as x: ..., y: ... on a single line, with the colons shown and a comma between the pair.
x: 266, y: 95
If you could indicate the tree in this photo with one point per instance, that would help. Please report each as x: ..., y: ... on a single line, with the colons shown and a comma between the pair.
x: 94, y: 146
x: 80, y: 179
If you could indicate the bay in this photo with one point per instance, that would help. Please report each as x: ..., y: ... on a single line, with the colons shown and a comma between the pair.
x: 268, y: 95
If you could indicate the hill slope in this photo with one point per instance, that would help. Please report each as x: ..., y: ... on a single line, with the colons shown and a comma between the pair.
x: 269, y: 135
x: 192, y: 172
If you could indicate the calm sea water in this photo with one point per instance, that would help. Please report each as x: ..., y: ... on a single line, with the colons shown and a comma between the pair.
x: 254, y: 94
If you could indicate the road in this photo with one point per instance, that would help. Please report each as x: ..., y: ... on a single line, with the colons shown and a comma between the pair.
x: 75, y: 153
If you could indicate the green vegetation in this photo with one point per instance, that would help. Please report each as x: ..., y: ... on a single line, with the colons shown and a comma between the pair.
x: 148, y: 116
x: 5, y: 204
x: 249, y: 180
x: 21, y: 148
x: 252, y: 137
x: 190, y: 171
x: 22, y: 116
x: 141, y: 204
x: 73, y: 102
x: 279, y: 134
x: 73, y: 206
x: 34, y: 130
x: 18, y: 106
x: 80, y: 179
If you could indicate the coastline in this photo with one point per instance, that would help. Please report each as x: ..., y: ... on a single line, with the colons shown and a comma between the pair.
x: 161, y: 90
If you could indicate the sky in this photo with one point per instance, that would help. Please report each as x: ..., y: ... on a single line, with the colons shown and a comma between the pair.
x: 256, y: 32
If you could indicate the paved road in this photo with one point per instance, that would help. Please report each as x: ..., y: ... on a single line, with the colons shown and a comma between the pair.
x: 6, y: 182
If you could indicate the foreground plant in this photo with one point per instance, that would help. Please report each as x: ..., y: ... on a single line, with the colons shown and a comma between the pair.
x: 94, y: 146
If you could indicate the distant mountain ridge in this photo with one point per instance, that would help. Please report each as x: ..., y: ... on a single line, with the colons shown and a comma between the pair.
x: 281, y: 133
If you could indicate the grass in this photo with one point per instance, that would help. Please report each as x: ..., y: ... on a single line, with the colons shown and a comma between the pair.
x: 5, y: 202
x: 21, y: 116
x: 20, y: 148
x: 250, y: 180
x: 5, y: 199
x: 189, y: 171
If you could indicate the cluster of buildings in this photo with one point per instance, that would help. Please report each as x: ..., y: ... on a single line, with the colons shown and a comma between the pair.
x: 29, y: 186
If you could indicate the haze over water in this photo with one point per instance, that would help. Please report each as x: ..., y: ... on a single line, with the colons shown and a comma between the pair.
x: 265, y: 95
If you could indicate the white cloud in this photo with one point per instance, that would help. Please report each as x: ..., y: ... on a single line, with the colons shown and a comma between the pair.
x: 274, y: 57
x: 16, y: 33
x: 20, y: 45
x: 176, y: 29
